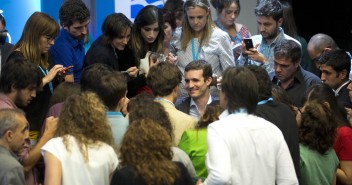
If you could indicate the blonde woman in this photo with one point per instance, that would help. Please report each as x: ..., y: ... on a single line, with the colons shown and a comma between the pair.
x: 200, y: 39
x: 81, y: 152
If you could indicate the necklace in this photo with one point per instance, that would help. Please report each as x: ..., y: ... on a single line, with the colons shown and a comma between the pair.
x: 194, y: 54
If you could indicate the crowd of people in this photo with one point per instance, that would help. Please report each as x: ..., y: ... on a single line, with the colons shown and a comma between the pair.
x: 174, y: 97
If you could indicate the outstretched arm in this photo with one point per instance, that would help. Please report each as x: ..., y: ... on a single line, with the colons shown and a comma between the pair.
x: 53, y: 169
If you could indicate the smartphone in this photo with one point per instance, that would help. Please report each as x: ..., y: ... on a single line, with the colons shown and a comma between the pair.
x: 249, y: 43
x: 66, y: 69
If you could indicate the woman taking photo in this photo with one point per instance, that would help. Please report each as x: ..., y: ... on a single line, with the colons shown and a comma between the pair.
x: 200, y: 39
x: 147, y: 42
x: 148, y: 34
x: 228, y: 11
x: 37, y: 37
x: 112, y: 49
x: 81, y: 152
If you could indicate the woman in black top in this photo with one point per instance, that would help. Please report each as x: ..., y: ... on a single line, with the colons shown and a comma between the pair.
x: 112, y: 49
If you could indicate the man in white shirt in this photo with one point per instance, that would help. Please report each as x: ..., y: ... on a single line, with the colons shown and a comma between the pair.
x: 243, y: 148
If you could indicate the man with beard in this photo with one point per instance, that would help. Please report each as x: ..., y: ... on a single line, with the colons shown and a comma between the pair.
x: 19, y: 82
x: 68, y: 49
x: 289, y: 74
x: 269, y: 15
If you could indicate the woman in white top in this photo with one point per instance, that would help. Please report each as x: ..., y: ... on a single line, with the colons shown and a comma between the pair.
x: 200, y: 39
x: 228, y: 11
x: 82, y: 152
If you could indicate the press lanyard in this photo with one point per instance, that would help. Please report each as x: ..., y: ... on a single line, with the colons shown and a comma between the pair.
x: 45, y: 72
x: 195, y: 55
x: 236, y: 39
x: 264, y: 101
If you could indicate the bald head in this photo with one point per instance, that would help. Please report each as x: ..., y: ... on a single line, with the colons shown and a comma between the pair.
x: 318, y: 44
x: 321, y: 41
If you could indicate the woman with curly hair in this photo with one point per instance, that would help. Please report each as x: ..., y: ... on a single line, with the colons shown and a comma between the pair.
x: 194, y: 141
x: 156, y: 112
x: 316, y: 136
x: 145, y: 157
x: 343, y: 140
x: 81, y: 152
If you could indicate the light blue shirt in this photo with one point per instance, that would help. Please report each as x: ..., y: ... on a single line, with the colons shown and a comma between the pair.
x: 118, y: 125
x: 267, y: 50
x: 193, y: 108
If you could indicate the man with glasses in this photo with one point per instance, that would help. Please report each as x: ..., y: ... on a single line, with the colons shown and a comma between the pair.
x: 320, y: 43
x: 335, y: 67
x: 68, y: 49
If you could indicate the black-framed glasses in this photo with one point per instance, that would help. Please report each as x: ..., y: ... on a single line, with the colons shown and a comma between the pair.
x: 316, y: 60
x: 49, y: 38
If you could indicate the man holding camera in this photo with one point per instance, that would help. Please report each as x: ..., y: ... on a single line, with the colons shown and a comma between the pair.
x: 269, y: 18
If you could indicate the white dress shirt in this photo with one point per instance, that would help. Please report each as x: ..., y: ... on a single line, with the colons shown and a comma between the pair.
x: 247, y: 150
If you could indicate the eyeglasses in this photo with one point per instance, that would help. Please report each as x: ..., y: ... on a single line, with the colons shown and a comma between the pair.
x: 48, y: 38
x: 316, y: 60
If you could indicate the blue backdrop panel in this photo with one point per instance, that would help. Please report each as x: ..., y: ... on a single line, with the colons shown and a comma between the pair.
x: 16, y: 14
